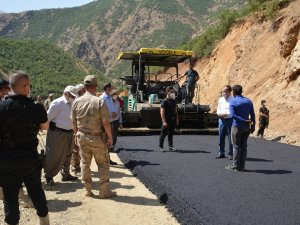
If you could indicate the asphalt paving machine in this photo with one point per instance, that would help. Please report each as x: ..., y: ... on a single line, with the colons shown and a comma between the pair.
x: 146, y: 90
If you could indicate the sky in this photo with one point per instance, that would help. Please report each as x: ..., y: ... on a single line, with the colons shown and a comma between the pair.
x: 24, y: 5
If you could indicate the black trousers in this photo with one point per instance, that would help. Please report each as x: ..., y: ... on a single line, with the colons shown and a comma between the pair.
x: 261, y: 130
x: 115, y: 131
x: 239, y: 138
x: 168, y: 131
x: 13, y: 172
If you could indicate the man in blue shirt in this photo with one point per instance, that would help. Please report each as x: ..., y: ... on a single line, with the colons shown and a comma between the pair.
x: 192, y: 77
x: 240, y: 108
x: 109, y: 89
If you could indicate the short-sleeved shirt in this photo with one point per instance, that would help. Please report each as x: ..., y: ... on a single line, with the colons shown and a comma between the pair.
x: 170, y: 107
x: 264, y: 120
x: 20, y: 117
x: 89, y: 111
x: 109, y: 104
x: 192, y: 76
x: 59, y: 112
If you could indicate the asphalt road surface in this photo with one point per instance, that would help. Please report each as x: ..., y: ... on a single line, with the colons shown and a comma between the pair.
x: 197, y: 189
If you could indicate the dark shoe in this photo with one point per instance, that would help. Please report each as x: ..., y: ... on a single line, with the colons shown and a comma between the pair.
x: 112, y: 162
x: 230, y: 157
x: 172, y: 149
x: 232, y: 168
x: 69, y: 178
x: 161, y: 149
x: 49, y: 182
x: 220, y: 156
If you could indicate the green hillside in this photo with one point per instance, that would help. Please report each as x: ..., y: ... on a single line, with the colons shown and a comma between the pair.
x: 50, y: 68
x: 98, y: 31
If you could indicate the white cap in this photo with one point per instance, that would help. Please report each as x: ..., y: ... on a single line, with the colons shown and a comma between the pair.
x: 79, y: 87
x: 72, y: 90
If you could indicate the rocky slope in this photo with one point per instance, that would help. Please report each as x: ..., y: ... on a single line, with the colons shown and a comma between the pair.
x: 264, y: 57
x: 98, y: 31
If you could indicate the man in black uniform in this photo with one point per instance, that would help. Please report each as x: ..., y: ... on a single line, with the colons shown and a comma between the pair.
x: 20, y: 121
x: 169, y: 116
x: 263, y: 118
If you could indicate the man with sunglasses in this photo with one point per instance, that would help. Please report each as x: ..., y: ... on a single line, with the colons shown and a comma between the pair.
x: 60, y: 137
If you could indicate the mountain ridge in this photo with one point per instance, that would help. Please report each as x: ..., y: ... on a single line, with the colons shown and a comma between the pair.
x: 98, y: 31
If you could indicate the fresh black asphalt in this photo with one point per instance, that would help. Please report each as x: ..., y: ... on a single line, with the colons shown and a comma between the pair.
x: 197, y: 189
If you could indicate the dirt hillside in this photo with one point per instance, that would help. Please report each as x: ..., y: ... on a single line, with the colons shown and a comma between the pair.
x: 264, y: 57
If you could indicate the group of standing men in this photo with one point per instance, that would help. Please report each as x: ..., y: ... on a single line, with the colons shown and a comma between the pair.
x: 80, y: 124
x: 237, y: 121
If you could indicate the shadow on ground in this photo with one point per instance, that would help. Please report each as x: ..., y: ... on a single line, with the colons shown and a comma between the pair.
x: 137, y: 200
x: 270, y: 172
x: 56, y: 205
x: 258, y: 160
x: 65, y: 187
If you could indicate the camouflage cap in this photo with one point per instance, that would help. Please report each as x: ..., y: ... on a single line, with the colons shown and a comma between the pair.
x: 90, y: 80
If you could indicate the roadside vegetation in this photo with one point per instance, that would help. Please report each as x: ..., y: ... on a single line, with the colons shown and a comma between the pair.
x: 205, y: 43
x: 51, y: 69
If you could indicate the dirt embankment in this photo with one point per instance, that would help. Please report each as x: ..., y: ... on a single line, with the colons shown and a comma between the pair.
x: 264, y: 57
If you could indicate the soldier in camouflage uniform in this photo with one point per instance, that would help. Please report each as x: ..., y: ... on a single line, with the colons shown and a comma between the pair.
x: 90, y: 115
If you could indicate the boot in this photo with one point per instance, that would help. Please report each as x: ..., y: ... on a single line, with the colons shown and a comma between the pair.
x: 44, y: 220
x: 105, y: 192
x: 1, y: 194
x: 88, y: 190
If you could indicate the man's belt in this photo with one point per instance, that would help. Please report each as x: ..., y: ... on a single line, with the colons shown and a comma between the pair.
x: 63, y: 130
x: 226, y: 118
x: 90, y: 133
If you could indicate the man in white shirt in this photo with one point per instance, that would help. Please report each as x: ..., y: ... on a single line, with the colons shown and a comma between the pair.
x: 109, y: 89
x: 60, y: 137
x: 225, y: 122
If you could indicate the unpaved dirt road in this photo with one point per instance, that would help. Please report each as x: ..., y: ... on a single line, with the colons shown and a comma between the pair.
x: 135, y: 204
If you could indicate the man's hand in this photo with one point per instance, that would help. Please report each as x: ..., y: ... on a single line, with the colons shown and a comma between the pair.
x: 75, y: 140
x: 249, y: 122
x: 114, y: 115
x: 222, y: 116
x: 109, y: 142
x: 165, y: 125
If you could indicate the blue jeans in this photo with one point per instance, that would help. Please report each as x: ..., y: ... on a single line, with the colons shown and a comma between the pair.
x: 225, y: 130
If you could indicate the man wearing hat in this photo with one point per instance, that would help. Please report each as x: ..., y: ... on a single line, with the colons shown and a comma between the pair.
x: 90, y: 117
x: 4, y: 88
x: 75, y: 161
x: 48, y: 101
x: 60, y: 137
